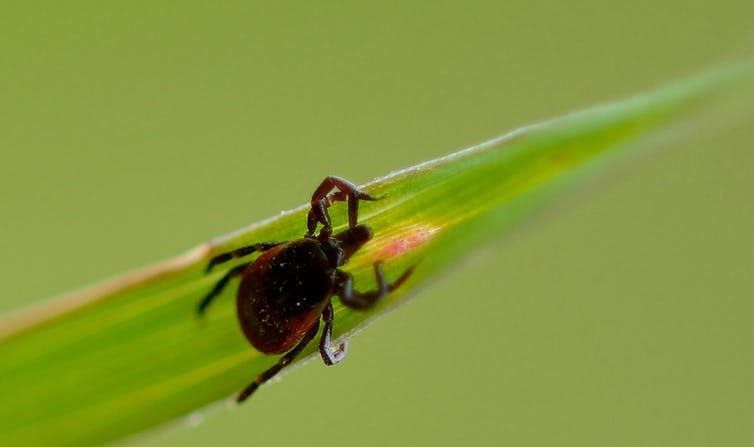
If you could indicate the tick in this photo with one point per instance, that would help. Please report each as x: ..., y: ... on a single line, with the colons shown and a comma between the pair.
x: 289, y: 287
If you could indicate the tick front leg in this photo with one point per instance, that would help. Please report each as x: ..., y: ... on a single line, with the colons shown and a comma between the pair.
x: 329, y: 356
x: 364, y: 300
x: 284, y: 361
x: 219, y: 286
x: 321, y: 201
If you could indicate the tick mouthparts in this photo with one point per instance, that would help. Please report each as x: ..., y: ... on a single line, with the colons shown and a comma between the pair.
x: 355, y: 235
x: 366, y: 196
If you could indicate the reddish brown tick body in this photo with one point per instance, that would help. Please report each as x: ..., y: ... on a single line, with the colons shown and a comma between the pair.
x: 287, y: 289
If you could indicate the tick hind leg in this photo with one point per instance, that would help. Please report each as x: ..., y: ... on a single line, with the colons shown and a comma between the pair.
x: 235, y: 271
x: 322, y: 199
x: 239, y: 253
x: 364, y: 300
x: 284, y: 361
x: 219, y: 286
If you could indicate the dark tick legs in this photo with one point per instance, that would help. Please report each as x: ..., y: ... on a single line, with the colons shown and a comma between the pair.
x: 219, y: 286
x: 364, y: 300
x: 321, y: 201
x: 235, y: 271
x: 329, y: 356
x: 239, y: 253
x: 284, y: 361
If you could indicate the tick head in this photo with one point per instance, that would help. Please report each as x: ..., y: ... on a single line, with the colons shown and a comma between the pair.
x: 352, y: 239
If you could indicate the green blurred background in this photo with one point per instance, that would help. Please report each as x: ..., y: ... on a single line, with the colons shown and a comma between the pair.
x: 130, y: 132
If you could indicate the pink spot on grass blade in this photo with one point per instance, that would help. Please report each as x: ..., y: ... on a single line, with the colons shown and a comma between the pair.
x: 405, y: 239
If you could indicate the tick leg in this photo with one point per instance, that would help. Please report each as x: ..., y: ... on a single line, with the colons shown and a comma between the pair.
x: 364, y: 300
x: 219, y: 286
x: 321, y: 201
x: 329, y: 356
x: 284, y: 361
x: 239, y: 253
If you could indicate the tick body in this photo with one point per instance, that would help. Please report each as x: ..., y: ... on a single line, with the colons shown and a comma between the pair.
x: 287, y: 289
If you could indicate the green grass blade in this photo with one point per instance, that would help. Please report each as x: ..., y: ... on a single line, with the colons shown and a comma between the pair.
x: 123, y: 356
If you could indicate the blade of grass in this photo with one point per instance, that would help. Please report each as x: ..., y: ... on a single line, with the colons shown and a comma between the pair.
x: 117, y: 358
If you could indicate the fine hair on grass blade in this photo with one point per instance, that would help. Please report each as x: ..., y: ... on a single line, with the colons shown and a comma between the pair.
x: 120, y: 357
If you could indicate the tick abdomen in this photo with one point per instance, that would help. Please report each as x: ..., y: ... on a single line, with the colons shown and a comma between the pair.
x: 282, y: 294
